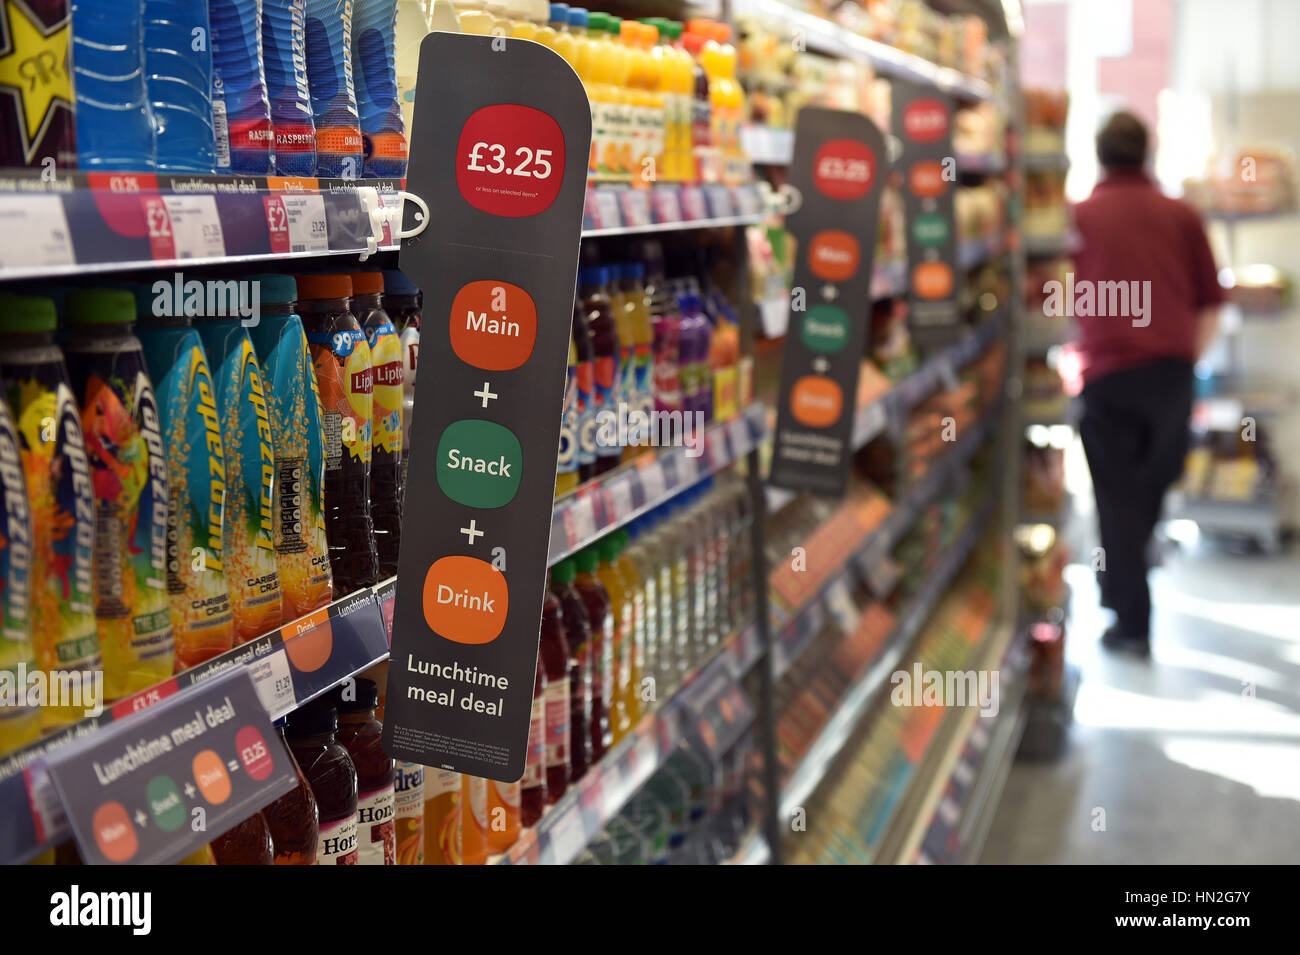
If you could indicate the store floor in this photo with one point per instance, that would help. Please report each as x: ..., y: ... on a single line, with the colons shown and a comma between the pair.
x: 1190, y: 757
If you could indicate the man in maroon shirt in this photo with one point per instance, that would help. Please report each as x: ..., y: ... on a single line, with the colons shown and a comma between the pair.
x: 1145, y: 304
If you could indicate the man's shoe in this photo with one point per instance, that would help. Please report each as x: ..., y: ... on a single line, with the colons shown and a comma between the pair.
x: 1118, y: 640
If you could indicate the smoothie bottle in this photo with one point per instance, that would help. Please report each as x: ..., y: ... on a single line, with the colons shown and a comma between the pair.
x: 59, y: 493
x: 247, y: 441
x: 310, y: 732
x: 601, y: 617
x: 128, y: 467
x: 386, y: 417
x: 196, y: 483
x: 294, y: 819
x: 441, y: 817
x: 553, y: 650
x: 19, y: 723
x: 298, y: 444
x: 359, y: 733
x: 585, y: 707
x: 345, y: 378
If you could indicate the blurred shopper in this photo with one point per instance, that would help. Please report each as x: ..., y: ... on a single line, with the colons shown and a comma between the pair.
x: 1148, y: 255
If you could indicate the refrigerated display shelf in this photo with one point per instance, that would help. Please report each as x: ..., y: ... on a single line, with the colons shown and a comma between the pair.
x: 619, y: 209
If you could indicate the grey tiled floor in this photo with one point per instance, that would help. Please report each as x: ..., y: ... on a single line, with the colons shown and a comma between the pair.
x: 1194, y: 757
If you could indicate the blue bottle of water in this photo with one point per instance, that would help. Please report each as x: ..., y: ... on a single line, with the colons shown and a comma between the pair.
x: 339, y: 152
x: 383, y: 136
x: 114, y: 128
x: 284, y: 56
x: 178, y: 74
x: 241, y: 114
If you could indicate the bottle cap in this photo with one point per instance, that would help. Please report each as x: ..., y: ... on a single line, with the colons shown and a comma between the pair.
x: 559, y: 13
x: 367, y: 283
x: 597, y: 20
x: 564, y: 572
x: 624, y: 538
x: 609, y: 548
x: 578, y: 17
x: 26, y: 314
x: 397, y: 283
x: 613, y: 24
x: 318, y: 716
x: 324, y: 285
x: 586, y: 560
x: 100, y: 306
x: 276, y: 289
x: 367, y: 697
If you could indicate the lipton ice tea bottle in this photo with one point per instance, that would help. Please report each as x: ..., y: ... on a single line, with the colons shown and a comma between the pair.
x: 503, y: 815
x: 386, y: 417
x: 310, y: 732
x: 532, y: 787
x: 553, y: 650
x: 404, y: 304
x: 442, y: 790
x: 59, y: 493
x: 128, y: 466
x: 196, y: 482
x: 247, y: 442
x: 294, y: 819
x: 624, y: 609
x: 248, y: 843
x: 600, y: 615
x: 359, y: 733
x: 584, y: 697
x: 298, y: 443
x: 473, y: 820
x: 19, y: 723
x: 345, y: 378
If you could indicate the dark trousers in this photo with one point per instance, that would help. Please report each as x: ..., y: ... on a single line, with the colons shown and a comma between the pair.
x: 1135, y: 432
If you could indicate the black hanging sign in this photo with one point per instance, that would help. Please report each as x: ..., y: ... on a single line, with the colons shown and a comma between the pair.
x: 499, y: 153
x: 839, y: 171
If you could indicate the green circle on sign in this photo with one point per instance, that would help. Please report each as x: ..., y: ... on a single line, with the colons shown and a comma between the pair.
x: 480, y: 463
x: 825, y: 329
x: 930, y: 229
x: 165, y: 803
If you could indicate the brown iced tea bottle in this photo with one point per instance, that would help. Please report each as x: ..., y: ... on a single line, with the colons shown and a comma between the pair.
x: 359, y: 732
x: 294, y: 821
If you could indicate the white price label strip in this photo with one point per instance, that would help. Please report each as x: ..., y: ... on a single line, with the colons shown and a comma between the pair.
x: 567, y: 835
x: 618, y: 499
x: 273, y: 683
x: 740, y: 441
x: 307, y: 229
x: 196, y: 228
x: 580, y: 521
x: 652, y: 481
x: 34, y: 233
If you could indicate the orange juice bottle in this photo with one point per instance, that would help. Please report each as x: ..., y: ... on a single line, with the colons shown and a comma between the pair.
x: 656, y: 102
x: 635, y: 105
x: 503, y: 815
x: 473, y: 820
x: 598, y: 79
x: 728, y: 101
x: 622, y: 717
x: 441, y: 817
x: 624, y: 106
x: 556, y: 33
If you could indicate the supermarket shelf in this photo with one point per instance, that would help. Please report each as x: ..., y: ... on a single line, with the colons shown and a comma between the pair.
x: 818, y: 760
x: 793, y: 635
x: 618, y: 209
x: 97, y: 222
x: 285, y: 666
x: 613, y: 499
x: 767, y: 145
x: 826, y: 37
x: 1043, y: 162
x: 981, y: 164
x: 586, y: 808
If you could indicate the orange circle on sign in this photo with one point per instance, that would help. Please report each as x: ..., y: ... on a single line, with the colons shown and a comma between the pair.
x: 932, y: 280
x: 816, y: 402
x: 833, y: 255
x: 210, y: 774
x: 114, y: 833
x: 309, y: 641
x: 465, y: 599
x: 926, y: 179
x: 493, y: 325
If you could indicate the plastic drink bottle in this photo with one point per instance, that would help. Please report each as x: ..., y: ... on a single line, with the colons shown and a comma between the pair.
x: 441, y: 817
x: 562, y: 42
x: 585, y: 706
x: 248, y: 843
x: 247, y: 441
x: 404, y: 302
x: 474, y: 18
x: 284, y: 60
x: 344, y: 376
x: 585, y: 376
x: 294, y: 819
x: 553, y: 650
x: 519, y: 13
x: 604, y: 635
x: 386, y: 417
x: 59, y: 493
x: 604, y: 94
x: 443, y: 18
x: 298, y: 445
x: 241, y: 111
x: 128, y: 467
x: 642, y: 331
x: 20, y: 723
x: 179, y: 81
x: 532, y: 787
x: 114, y: 127
x: 383, y: 134
x: 30, y: 137
x: 310, y: 732
x: 625, y: 612
x: 605, y: 348
x: 694, y: 359
x: 473, y: 820
x: 503, y: 815
x: 625, y: 100
x: 359, y: 733
x: 724, y: 361
x: 202, y: 620
x: 704, y: 155
x: 630, y: 571
x: 408, y: 812
x: 566, y: 460
x: 626, y: 398
x: 411, y: 28
x: 339, y: 150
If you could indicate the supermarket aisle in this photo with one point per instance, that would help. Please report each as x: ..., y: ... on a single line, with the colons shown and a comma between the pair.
x: 1191, y: 757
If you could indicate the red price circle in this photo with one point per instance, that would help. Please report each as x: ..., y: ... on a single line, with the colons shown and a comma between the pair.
x: 844, y: 169
x: 510, y: 160
x: 254, y: 753
x: 925, y: 121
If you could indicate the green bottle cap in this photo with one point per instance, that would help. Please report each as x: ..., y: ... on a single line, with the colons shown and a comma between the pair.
x: 26, y: 314
x: 100, y: 306
x: 609, y: 547
x: 587, y: 559
x: 564, y: 572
